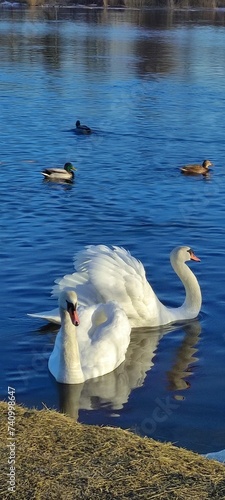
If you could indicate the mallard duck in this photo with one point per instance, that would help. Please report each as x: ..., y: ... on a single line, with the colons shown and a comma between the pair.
x: 112, y: 274
x: 82, y: 129
x: 197, y: 169
x: 66, y: 173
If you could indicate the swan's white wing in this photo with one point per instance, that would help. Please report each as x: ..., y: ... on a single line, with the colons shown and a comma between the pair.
x: 69, y: 281
x: 111, y: 274
x: 86, y: 292
x: 103, y: 337
x: 87, y: 295
x: 116, y: 275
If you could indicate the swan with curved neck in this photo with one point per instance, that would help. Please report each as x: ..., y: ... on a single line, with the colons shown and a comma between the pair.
x: 96, y: 347
x: 114, y: 274
x: 104, y: 274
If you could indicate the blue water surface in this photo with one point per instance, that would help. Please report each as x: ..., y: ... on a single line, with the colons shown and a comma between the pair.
x: 152, y: 87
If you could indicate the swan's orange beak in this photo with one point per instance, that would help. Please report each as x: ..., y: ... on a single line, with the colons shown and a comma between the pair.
x: 74, y: 316
x: 194, y: 257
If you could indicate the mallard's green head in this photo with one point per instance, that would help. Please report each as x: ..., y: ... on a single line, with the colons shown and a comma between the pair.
x: 69, y: 167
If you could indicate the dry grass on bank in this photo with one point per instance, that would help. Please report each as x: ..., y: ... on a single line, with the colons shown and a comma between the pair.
x: 57, y: 458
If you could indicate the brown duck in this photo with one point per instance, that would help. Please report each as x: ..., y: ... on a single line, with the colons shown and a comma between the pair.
x: 197, y: 169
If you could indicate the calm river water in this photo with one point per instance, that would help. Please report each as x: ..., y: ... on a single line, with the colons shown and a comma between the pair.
x: 152, y: 86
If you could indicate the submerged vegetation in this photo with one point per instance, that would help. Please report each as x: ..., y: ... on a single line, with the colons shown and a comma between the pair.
x: 58, y: 458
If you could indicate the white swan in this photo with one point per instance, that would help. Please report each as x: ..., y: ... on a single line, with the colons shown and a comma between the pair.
x: 96, y: 347
x: 105, y: 274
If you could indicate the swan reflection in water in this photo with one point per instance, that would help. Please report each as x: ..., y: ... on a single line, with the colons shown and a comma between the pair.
x: 113, y: 390
x: 184, y: 357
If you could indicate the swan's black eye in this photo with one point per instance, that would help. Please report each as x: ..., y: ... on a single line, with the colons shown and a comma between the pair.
x: 190, y: 251
x: 71, y: 307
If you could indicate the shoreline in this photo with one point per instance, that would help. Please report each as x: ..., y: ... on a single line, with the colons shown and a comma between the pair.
x: 57, y: 458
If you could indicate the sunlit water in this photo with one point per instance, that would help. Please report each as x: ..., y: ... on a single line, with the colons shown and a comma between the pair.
x: 153, y: 89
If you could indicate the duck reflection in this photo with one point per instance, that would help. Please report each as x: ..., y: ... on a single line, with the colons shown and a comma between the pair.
x: 59, y: 183
x: 113, y: 390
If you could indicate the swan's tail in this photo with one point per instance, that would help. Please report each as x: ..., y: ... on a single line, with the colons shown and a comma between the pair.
x: 51, y: 316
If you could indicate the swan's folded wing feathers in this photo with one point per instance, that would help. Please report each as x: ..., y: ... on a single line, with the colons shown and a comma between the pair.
x: 68, y: 281
x: 132, y: 292
x: 129, y: 260
x: 142, y: 297
x: 118, y: 256
x: 108, y: 338
x: 117, y: 276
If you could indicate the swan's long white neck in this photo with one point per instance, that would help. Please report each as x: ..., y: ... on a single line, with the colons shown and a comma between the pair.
x: 193, y: 300
x: 70, y: 364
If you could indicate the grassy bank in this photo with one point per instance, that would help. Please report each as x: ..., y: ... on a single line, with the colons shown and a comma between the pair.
x: 57, y: 458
